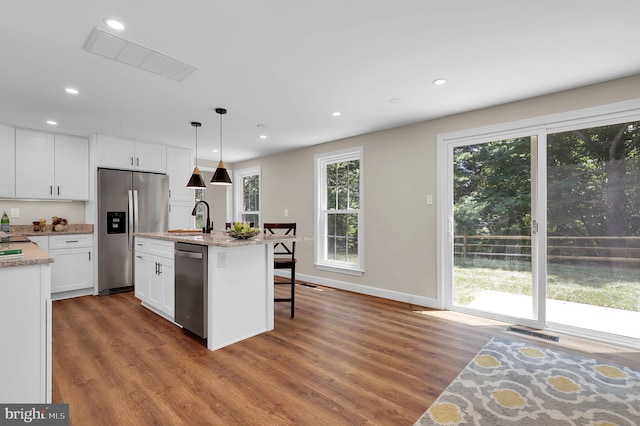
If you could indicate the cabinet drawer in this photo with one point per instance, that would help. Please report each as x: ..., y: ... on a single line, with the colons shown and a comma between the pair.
x: 154, y: 247
x: 70, y: 241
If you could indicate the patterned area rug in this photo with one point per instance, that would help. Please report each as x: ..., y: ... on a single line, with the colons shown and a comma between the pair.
x: 517, y: 383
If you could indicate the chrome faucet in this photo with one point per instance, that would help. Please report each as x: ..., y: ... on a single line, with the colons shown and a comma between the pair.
x: 209, y: 225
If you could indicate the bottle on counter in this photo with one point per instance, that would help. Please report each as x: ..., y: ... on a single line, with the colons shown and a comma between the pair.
x: 4, y: 223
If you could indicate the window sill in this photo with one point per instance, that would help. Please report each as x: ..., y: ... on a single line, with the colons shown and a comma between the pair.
x: 339, y: 269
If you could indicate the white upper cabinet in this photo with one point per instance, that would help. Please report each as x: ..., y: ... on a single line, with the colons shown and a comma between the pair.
x: 7, y: 162
x: 127, y: 154
x: 71, y: 168
x: 51, y: 166
x: 179, y: 168
x: 34, y: 164
x: 180, y: 215
x: 150, y: 157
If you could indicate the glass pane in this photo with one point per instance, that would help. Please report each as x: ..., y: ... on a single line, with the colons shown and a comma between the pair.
x: 250, y: 188
x: 492, y: 220
x: 352, y: 238
x: 331, y: 198
x: 341, y: 249
x: 249, y: 218
x: 331, y: 248
x: 342, y: 198
x: 331, y: 174
x: 341, y: 225
x: 331, y: 224
x: 593, y: 228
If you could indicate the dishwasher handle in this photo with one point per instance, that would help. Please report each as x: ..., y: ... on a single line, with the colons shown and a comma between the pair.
x: 192, y: 255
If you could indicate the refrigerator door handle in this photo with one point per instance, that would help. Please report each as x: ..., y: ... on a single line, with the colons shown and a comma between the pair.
x: 135, y: 210
x: 130, y: 214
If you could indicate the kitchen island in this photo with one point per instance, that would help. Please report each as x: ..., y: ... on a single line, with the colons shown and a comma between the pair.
x: 25, y: 326
x: 239, y: 293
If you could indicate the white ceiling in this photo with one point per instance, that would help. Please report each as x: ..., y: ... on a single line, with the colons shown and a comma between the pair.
x: 289, y: 64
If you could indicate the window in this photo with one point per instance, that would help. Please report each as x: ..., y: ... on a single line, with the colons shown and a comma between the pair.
x: 339, y: 211
x: 248, y: 195
x: 200, y: 212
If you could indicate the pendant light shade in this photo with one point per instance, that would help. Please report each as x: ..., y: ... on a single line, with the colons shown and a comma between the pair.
x: 220, y: 176
x: 196, y: 180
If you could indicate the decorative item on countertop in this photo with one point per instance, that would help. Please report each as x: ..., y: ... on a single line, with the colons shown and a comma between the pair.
x: 58, y: 224
x: 4, y: 227
x: 36, y: 226
x: 242, y: 231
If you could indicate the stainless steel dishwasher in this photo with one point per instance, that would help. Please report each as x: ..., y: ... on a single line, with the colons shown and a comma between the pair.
x: 191, y: 287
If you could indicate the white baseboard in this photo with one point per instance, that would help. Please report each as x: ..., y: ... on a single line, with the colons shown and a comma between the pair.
x: 362, y: 289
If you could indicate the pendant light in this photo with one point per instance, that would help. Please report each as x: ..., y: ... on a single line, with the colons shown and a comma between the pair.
x: 220, y: 176
x: 196, y: 180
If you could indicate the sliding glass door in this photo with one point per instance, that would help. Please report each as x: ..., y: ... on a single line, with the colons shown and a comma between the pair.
x: 593, y: 233
x: 492, y: 222
x: 543, y: 225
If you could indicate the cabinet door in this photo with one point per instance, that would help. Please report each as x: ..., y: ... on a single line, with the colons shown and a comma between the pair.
x: 141, y: 277
x: 150, y: 157
x: 71, y: 270
x: 155, y: 282
x: 117, y: 153
x: 71, y: 168
x: 179, y: 168
x: 34, y: 164
x: 7, y: 162
x: 167, y: 274
x: 180, y: 215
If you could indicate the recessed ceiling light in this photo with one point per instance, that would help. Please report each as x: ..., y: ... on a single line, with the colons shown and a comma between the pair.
x: 52, y: 122
x: 336, y: 113
x: 113, y: 24
x: 439, y: 81
x: 263, y: 136
x: 214, y: 150
x: 71, y: 91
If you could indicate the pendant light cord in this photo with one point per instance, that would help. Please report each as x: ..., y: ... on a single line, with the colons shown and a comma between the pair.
x: 220, y: 137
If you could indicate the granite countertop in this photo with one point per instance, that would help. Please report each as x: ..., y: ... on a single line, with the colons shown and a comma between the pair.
x: 220, y: 239
x: 28, y: 231
x: 31, y: 255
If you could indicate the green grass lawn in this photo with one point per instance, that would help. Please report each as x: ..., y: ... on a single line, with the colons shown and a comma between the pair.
x: 594, y: 284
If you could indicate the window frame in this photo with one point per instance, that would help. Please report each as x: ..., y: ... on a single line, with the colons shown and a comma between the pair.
x: 320, y: 173
x: 239, y: 193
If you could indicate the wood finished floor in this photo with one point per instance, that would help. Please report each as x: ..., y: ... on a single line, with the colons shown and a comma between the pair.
x: 344, y: 359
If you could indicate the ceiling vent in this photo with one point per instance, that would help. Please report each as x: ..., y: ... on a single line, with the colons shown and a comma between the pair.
x: 124, y: 51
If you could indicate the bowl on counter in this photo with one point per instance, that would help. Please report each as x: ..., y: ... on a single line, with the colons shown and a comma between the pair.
x: 242, y: 234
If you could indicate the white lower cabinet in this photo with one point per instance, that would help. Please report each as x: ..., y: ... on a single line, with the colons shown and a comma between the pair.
x: 73, y: 265
x: 154, y: 275
x: 72, y: 270
x: 25, y: 331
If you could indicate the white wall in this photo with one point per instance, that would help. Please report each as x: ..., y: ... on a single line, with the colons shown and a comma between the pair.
x: 399, y: 172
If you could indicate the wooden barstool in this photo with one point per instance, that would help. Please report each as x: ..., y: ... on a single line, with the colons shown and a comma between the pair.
x: 284, y: 257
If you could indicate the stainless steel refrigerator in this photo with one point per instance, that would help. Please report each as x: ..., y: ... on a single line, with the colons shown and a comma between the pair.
x: 128, y: 202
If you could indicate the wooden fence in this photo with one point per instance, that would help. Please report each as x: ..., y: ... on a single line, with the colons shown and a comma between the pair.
x: 624, y: 250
